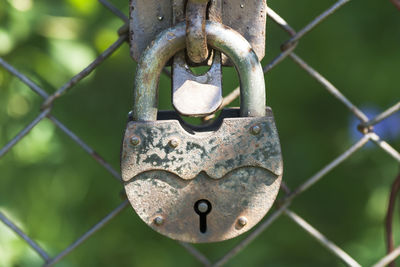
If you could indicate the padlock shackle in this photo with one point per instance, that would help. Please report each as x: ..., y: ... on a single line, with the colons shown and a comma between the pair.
x: 220, y: 37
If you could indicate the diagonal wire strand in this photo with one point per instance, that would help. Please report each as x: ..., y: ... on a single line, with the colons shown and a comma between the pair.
x: 28, y: 240
x: 289, y: 45
x: 289, y: 51
x: 42, y: 115
x: 87, y: 148
x: 24, y: 132
x: 333, y: 164
x: 333, y: 248
x: 253, y: 235
x: 385, y: 146
x: 37, y: 89
x: 330, y: 87
x: 280, y: 21
x: 114, y: 10
x: 388, y: 258
x: 88, y: 234
x: 387, y: 113
x: 23, y: 78
x: 85, y: 72
x: 195, y: 253
x: 316, y: 21
x: 45, y: 113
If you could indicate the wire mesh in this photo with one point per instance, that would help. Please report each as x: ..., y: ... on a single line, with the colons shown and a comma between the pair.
x: 282, y: 204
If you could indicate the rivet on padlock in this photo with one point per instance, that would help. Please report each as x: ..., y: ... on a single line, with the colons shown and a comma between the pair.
x: 201, y: 184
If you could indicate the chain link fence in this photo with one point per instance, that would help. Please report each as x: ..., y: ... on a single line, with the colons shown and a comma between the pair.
x: 282, y: 204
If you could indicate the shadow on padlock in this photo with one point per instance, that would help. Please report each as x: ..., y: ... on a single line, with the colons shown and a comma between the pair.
x: 201, y: 184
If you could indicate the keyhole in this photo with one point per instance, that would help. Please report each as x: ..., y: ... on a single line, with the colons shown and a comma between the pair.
x: 202, y: 207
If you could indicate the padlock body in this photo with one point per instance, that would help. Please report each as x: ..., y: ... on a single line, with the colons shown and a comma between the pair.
x: 234, y: 164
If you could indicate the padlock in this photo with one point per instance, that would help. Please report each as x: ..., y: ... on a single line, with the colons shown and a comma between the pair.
x: 201, y: 184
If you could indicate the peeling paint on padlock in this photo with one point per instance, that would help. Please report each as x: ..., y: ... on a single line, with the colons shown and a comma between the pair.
x: 227, y: 145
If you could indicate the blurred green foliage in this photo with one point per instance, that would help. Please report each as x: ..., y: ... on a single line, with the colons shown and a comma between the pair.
x: 55, y: 192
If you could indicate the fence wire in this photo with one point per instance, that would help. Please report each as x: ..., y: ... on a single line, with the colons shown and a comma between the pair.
x: 283, y: 204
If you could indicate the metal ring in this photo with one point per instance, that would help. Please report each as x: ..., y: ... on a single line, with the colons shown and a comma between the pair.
x: 221, y: 38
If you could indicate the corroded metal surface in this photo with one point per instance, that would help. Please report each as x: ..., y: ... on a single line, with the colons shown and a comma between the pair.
x: 196, y: 95
x: 233, y: 167
x: 248, y: 18
x: 196, y: 39
x: 220, y: 37
x: 232, y: 145
x: 244, y: 192
x: 235, y: 164
x: 149, y: 17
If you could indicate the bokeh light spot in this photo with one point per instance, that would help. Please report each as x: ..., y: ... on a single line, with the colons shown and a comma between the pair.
x: 22, y: 5
x: 38, y: 144
x: 104, y: 38
x: 72, y: 55
x: 85, y: 7
x: 17, y: 106
x: 66, y: 28
x: 377, y: 200
x: 6, y: 43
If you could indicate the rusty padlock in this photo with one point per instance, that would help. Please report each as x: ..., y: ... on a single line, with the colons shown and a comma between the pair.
x: 201, y: 184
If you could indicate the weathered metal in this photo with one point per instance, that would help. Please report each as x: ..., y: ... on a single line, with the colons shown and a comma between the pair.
x: 196, y: 39
x: 227, y: 145
x: 196, y: 95
x: 249, y: 19
x: 201, y: 184
x: 237, y: 172
x: 220, y: 37
x: 150, y: 17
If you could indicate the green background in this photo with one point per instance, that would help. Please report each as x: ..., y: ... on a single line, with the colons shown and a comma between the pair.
x: 55, y: 192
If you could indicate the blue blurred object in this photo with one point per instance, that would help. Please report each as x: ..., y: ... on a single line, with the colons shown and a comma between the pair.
x: 388, y: 129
